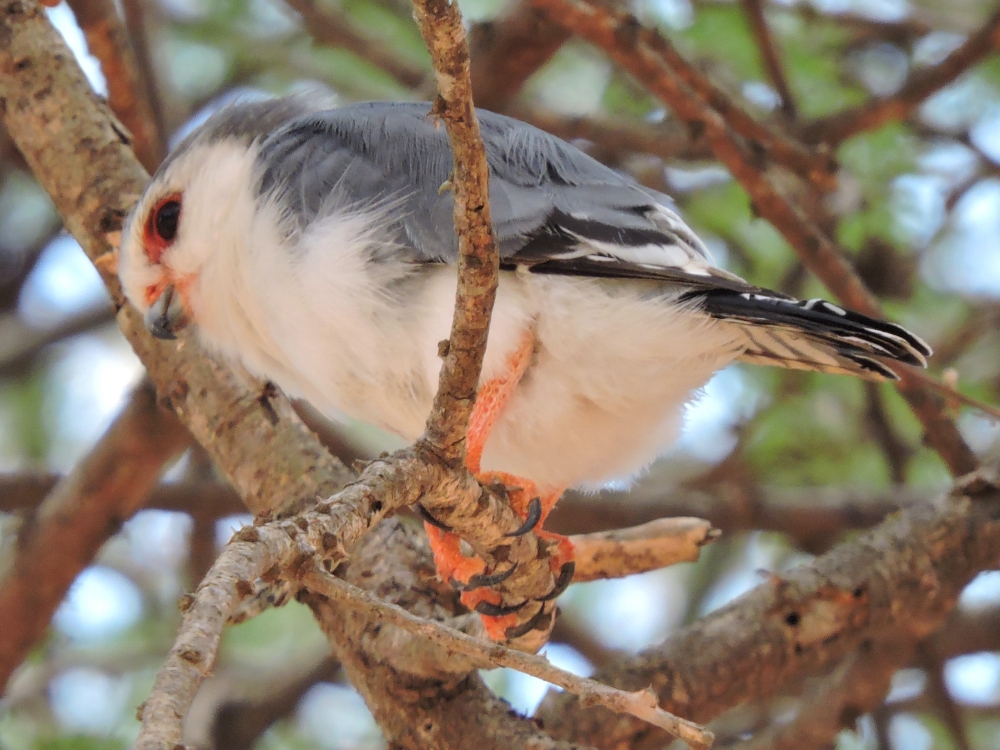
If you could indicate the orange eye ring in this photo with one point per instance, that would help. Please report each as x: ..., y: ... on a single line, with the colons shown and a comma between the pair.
x: 161, y: 226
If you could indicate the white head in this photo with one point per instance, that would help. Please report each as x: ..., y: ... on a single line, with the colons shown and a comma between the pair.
x: 186, y: 216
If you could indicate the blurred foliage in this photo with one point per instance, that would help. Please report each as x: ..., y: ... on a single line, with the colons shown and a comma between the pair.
x: 923, y: 188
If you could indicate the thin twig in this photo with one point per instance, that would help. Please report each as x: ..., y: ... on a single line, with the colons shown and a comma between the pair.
x: 940, y: 697
x: 20, y: 344
x: 619, y: 136
x: 642, y: 703
x: 440, y: 24
x: 815, y: 165
x: 769, y: 55
x: 952, y: 394
x: 921, y: 85
x: 333, y: 27
x: 654, y: 545
x: 138, y: 16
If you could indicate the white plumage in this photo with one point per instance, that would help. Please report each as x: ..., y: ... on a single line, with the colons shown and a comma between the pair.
x: 339, y: 298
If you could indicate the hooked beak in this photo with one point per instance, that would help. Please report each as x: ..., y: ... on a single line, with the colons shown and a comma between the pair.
x: 166, y: 315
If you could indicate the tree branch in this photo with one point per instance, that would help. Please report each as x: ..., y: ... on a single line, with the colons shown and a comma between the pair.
x: 640, y: 704
x: 20, y: 343
x: 898, y: 581
x: 82, y: 512
x: 508, y: 50
x: 128, y: 90
x: 769, y: 54
x: 918, y: 88
x: 478, y: 258
x: 857, y: 686
x: 333, y: 27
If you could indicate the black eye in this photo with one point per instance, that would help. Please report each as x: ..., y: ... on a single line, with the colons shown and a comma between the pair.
x: 165, y: 220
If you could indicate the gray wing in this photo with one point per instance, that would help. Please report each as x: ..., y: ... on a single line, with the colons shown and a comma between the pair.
x: 554, y: 208
x: 556, y: 211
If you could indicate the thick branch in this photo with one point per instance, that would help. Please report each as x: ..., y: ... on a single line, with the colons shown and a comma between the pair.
x: 857, y: 686
x: 81, y: 513
x: 899, y: 580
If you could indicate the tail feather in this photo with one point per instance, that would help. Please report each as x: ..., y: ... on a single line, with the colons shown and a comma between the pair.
x: 815, y: 335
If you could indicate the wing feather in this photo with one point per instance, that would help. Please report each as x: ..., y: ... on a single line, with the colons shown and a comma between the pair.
x: 555, y: 211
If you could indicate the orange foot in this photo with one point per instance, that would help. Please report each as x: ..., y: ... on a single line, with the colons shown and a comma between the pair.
x: 469, y: 573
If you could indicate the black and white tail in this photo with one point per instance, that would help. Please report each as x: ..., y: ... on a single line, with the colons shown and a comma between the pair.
x: 815, y: 335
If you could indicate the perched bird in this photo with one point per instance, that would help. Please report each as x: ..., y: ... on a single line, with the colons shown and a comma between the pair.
x: 317, y: 248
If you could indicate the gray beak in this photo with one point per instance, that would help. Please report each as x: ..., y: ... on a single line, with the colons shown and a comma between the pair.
x: 166, y: 315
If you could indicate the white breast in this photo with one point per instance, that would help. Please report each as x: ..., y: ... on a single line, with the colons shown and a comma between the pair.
x: 616, y: 360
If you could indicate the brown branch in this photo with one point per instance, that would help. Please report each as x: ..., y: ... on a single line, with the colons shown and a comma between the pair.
x: 922, y: 84
x: 769, y: 54
x: 857, y: 686
x: 815, y: 165
x: 896, y: 451
x: 902, y: 32
x: 640, y: 704
x: 440, y: 25
x: 669, y: 140
x: 654, y: 545
x: 898, y: 581
x: 333, y: 27
x: 639, y: 51
x: 80, y: 514
x: 508, y: 50
x: 813, y: 517
x: 128, y: 90
x: 137, y: 17
x: 421, y: 696
x: 940, y: 697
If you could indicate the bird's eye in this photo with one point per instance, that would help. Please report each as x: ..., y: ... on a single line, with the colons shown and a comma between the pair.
x: 165, y: 220
x: 161, y: 226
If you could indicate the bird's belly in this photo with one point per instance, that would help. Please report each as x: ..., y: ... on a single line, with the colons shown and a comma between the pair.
x: 604, y: 395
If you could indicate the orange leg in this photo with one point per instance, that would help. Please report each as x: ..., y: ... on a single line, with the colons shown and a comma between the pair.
x: 451, y: 564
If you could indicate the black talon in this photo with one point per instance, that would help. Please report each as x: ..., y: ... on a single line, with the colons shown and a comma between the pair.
x: 534, y: 516
x: 426, y: 516
x: 494, y: 579
x: 562, y: 582
x: 539, y: 622
x: 498, y: 610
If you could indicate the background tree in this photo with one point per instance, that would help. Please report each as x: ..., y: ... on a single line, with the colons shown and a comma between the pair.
x: 867, y: 133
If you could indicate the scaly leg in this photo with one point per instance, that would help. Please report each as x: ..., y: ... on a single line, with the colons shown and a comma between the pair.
x: 524, y: 497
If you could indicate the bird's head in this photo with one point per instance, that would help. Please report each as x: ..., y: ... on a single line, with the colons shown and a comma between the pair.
x: 189, y: 212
